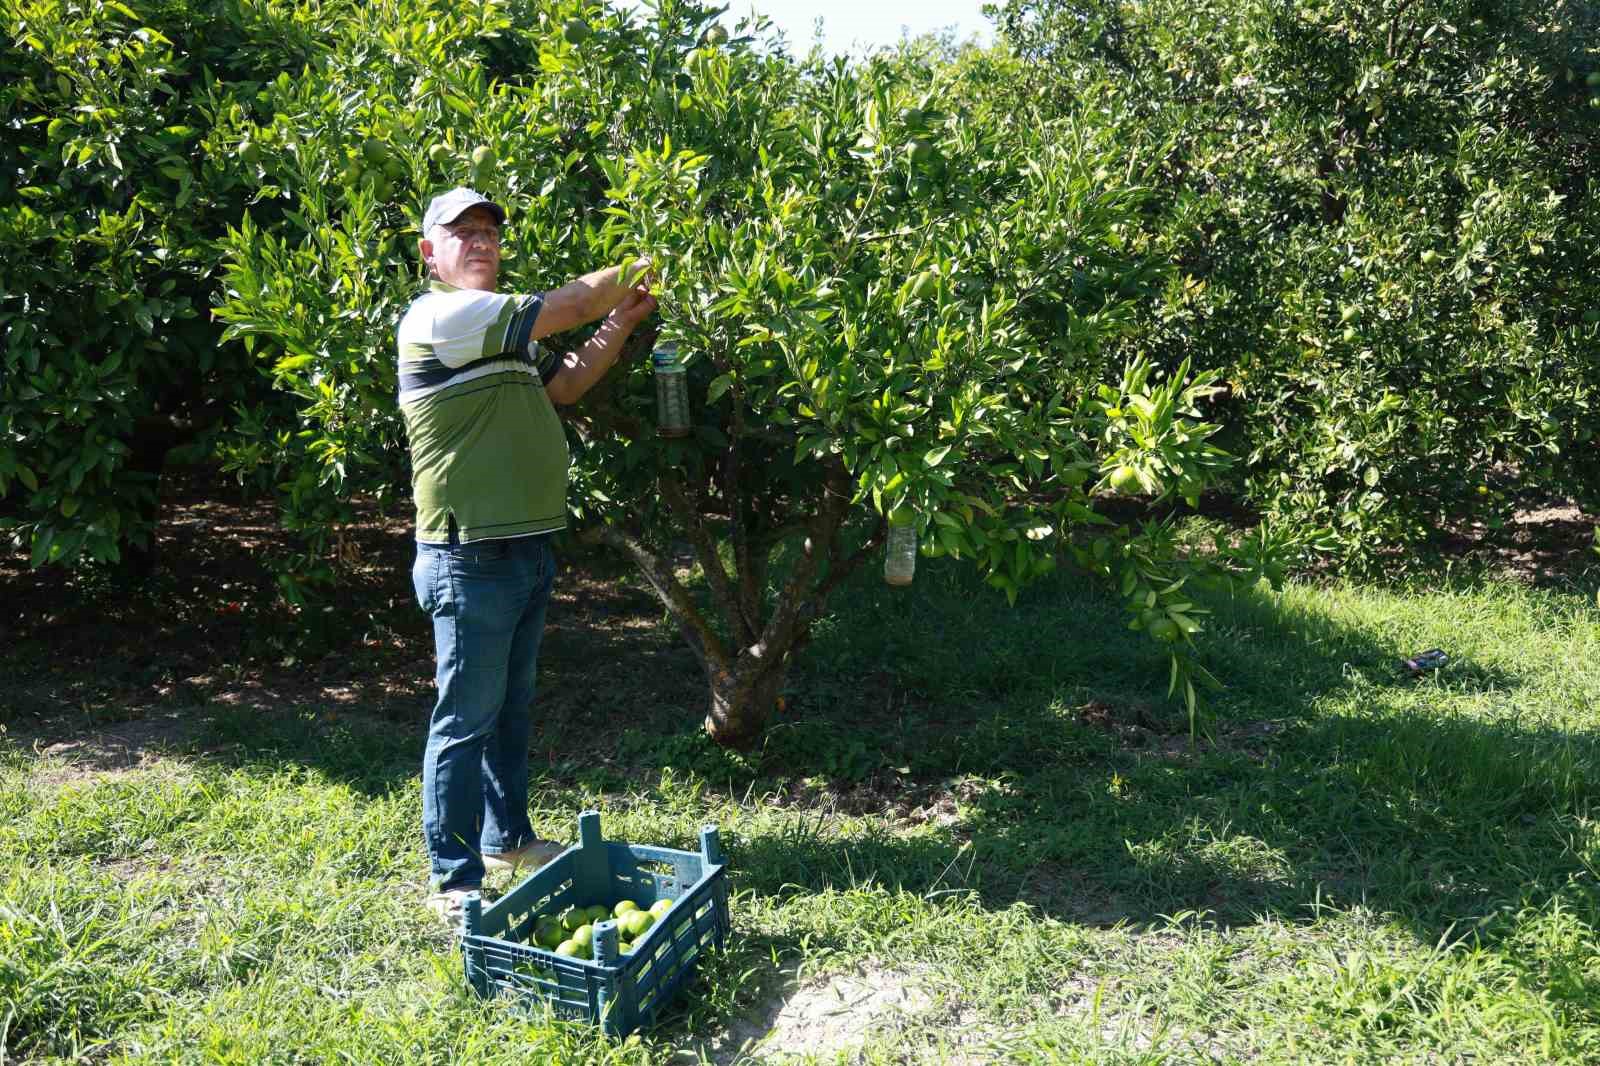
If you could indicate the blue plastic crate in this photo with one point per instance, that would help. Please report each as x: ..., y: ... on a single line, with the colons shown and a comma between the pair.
x: 619, y: 992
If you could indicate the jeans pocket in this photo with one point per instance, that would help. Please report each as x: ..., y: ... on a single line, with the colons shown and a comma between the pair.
x: 424, y: 579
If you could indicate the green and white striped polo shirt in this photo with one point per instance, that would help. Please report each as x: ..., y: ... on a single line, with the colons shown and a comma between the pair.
x: 487, y: 447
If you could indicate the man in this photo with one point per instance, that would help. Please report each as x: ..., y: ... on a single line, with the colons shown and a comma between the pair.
x: 489, y: 474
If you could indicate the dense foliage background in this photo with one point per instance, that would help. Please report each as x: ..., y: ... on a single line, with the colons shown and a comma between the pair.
x: 1385, y: 219
x: 1337, y: 261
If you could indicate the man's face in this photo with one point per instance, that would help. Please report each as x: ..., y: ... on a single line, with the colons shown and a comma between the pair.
x: 465, y: 253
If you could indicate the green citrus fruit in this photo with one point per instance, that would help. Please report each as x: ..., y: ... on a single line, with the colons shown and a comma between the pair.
x: 1429, y: 256
x: 1164, y: 630
x: 1349, y: 334
x: 439, y: 153
x: 250, y: 152
x: 921, y: 150
x: 583, y: 936
x: 573, y: 917
x: 374, y: 151
x: 923, y: 285
x: 623, y: 907
x: 598, y: 912
x: 482, y: 156
x: 636, y: 923
x: 1125, y: 479
x: 575, y: 31
x: 660, y: 907
x: 716, y: 36
x: 569, y: 948
x: 1593, y: 80
x: 548, y: 936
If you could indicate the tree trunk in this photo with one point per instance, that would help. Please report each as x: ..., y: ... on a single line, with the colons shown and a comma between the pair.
x: 742, y: 701
x: 747, y: 662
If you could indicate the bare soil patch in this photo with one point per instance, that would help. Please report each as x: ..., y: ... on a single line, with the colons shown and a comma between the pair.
x: 120, y: 748
x: 1544, y: 541
x: 108, y: 669
x: 831, y: 1015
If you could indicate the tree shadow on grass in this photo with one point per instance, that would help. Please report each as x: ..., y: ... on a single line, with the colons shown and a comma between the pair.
x: 1323, y: 778
x: 1026, y: 754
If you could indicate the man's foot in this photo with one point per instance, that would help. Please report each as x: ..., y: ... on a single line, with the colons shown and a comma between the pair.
x: 451, y: 906
x: 534, y: 854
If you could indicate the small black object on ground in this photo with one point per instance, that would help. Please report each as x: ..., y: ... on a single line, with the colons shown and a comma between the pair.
x: 1431, y: 659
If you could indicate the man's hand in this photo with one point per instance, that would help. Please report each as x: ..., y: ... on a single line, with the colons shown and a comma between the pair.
x: 636, y: 306
x: 586, y: 366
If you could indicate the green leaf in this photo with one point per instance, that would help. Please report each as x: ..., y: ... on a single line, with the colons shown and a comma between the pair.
x: 43, y: 538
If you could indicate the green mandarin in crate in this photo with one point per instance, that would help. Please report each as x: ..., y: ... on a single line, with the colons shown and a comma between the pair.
x: 548, y: 932
x: 623, y: 907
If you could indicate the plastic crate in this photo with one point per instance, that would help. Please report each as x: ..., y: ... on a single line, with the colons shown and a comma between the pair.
x: 619, y: 992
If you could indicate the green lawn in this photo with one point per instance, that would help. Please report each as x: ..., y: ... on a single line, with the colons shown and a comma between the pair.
x: 981, y: 829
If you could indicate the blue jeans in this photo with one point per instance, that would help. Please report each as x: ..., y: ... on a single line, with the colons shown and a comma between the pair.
x: 487, y: 601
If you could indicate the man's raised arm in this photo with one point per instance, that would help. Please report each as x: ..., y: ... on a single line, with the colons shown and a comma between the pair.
x: 590, y: 297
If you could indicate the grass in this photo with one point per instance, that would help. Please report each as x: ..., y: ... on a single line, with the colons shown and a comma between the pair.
x: 993, y: 803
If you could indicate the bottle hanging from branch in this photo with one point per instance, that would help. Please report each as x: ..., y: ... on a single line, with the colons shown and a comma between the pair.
x: 900, y: 555
x: 672, y: 392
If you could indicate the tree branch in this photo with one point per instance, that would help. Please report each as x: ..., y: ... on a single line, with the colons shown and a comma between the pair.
x: 844, y: 569
x: 744, y: 567
x: 1394, y: 24
x: 703, y: 640
x: 677, y: 497
x: 781, y: 627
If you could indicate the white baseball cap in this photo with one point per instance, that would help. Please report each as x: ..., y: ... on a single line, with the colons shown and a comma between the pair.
x: 449, y: 206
